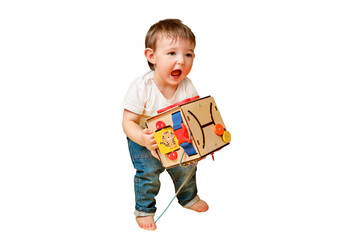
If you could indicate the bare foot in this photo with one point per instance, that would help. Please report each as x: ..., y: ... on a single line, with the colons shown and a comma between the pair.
x: 200, y: 206
x: 146, y: 223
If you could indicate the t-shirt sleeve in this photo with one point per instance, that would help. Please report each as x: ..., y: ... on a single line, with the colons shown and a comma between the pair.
x: 191, y: 90
x: 135, y: 98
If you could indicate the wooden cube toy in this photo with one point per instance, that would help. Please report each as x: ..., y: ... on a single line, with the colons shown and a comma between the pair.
x: 188, y: 131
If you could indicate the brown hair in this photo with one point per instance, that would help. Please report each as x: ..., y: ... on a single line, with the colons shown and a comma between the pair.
x: 173, y: 28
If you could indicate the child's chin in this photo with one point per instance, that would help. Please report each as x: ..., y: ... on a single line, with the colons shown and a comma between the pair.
x: 175, y: 81
x: 175, y: 78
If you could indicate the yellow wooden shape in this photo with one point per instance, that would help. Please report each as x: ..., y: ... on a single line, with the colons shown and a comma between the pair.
x: 166, y: 140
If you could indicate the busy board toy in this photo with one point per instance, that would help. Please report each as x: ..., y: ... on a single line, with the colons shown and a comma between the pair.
x: 188, y: 131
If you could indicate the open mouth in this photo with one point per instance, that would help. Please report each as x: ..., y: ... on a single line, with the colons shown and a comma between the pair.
x: 176, y: 73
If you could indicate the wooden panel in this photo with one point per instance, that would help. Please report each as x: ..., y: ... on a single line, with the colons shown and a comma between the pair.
x: 201, y: 116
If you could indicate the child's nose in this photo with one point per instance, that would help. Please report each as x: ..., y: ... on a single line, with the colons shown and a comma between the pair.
x: 180, y: 60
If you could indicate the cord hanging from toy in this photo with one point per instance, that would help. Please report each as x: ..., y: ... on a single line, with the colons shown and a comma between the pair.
x: 181, y: 159
x: 177, y: 192
x: 182, y: 156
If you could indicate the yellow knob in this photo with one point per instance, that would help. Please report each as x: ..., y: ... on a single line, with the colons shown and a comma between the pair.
x: 226, y: 137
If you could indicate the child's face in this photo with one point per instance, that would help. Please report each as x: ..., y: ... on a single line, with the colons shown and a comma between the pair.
x: 173, y: 60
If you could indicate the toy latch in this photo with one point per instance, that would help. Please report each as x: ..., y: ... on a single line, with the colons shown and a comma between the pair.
x: 182, y: 134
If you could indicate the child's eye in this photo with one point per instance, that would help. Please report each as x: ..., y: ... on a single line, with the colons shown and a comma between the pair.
x: 171, y: 53
x: 189, y: 55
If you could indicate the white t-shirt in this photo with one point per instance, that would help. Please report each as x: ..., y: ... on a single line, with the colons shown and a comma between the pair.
x: 144, y: 97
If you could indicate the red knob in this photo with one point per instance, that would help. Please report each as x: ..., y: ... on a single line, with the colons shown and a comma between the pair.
x: 160, y: 124
x: 172, y: 156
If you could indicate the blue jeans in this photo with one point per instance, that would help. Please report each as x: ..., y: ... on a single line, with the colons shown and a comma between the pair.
x: 147, y: 184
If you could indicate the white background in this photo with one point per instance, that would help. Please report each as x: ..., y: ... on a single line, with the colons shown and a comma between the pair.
x: 285, y: 75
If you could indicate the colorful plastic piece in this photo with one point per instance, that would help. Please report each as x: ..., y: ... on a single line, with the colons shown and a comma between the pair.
x: 182, y: 134
x: 226, y: 137
x: 166, y: 140
x: 160, y: 125
x: 172, y: 156
x: 219, y: 129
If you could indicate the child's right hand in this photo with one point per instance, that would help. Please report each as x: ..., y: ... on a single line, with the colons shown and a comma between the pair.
x: 144, y: 137
x: 149, y: 140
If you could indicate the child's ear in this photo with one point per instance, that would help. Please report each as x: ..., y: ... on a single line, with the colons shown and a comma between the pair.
x: 149, y: 54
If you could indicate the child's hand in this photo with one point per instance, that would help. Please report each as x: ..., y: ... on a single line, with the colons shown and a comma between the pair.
x: 143, y: 137
x: 149, y: 140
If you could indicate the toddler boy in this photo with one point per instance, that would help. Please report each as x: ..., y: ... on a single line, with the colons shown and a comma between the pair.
x: 169, y: 50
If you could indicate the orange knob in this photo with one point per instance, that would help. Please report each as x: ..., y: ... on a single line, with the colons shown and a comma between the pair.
x: 219, y: 129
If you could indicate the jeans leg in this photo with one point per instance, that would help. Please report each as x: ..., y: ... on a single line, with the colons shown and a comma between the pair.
x: 146, y: 180
x: 189, y: 191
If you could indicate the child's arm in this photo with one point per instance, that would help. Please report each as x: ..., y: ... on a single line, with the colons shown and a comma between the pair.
x: 143, y: 137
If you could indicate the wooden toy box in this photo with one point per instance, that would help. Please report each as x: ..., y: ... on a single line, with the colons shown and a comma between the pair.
x: 188, y: 132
